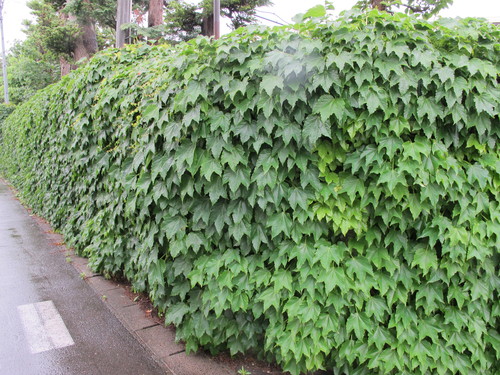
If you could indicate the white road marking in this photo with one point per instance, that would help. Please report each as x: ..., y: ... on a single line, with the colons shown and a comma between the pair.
x: 44, y: 327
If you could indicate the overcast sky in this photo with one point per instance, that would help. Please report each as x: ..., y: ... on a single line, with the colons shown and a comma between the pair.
x: 15, y: 11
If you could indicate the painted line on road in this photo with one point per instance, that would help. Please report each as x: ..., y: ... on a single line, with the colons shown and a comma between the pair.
x: 45, y: 330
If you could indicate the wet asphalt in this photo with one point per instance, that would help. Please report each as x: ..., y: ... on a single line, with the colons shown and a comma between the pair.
x: 33, y: 270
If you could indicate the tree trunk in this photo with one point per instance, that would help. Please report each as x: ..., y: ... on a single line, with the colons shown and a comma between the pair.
x: 85, y: 43
x: 65, y: 66
x: 207, y: 28
x: 155, y: 13
x: 377, y: 4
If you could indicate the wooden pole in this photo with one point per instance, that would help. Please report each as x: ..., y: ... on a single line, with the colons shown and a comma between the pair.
x: 4, y: 59
x: 123, y: 15
x: 217, y: 19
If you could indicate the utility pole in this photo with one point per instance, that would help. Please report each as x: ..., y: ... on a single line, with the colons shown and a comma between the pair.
x: 4, y: 60
x: 217, y: 19
x: 123, y: 15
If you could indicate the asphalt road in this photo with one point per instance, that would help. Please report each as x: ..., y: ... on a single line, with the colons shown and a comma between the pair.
x: 51, y: 322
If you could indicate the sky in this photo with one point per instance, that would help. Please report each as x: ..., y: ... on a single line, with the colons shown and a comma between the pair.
x: 15, y: 11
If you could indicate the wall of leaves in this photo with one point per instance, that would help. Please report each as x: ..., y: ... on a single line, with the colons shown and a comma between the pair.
x: 325, y: 195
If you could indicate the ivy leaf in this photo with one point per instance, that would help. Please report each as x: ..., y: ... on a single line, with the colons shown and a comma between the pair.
x: 210, y: 166
x: 359, y: 266
x: 373, y: 101
x: 391, y: 145
x: 392, y: 178
x: 314, y: 128
x: 315, y: 12
x: 176, y: 313
x: 282, y: 279
x: 298, y: 198
x: 340, y: 59
x: 156, y: 272
x: 425, y: 259
x: 485, y: 103
x: 327, y: 105
x: 359, y: 323
x: 270, y: 82
x: 352, y: 185
x: 279, y: 223
x: 151, y: 112
x: 172, y: 225
x: 428, y: 107
x: 377, y: 307
x: 194, y: 240
x: 444, y: 73
x: 478, y: 173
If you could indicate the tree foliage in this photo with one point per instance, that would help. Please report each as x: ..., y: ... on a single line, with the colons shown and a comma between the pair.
x: 426, y: 8
x: 29, y: 69
x: 54, y: 34
x: 184, y: 20
x: 326, y: 195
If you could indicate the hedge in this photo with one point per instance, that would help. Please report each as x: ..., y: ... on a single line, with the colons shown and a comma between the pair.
x: 325, y: 195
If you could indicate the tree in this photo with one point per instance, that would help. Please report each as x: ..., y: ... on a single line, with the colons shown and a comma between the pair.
x: 155, y: 13
x: 30, y: 68
x: 75, y: 29
x: 185, y: 20
x: 426, y: 8
x: 65, y: 28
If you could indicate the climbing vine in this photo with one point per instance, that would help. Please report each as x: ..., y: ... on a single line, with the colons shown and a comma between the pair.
x: 324, y: 194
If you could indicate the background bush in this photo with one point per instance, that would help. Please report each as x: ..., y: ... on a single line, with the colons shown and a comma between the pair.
x: 326, y: 195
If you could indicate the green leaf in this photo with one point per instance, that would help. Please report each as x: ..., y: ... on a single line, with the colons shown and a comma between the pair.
x: 381, y: 337
x: 156, y: 272
x: 314, y: 128
x: 340, y: 59
x: 426, y: 106
x: 426, y: 259
x: 270, y: 82
x: 279, y: 223
x: 269, y: 298
x: 210, y: 166
x: 486, y: 104
x: 392, y: 178
x: 359, y: 323
x: 151, y: 112
x: 282, y: 279
x: 359, y: 266
x: 478, y: 173
x: 176, y: 313
x: 315, y: 12
x: 195, y: 241
x: 298, y: 198
x: 327, y: 105
x: 173, y: 225
x: 444, y: 73
x: 352, y: 186
x: 391, y: 145
x: 377, y: 307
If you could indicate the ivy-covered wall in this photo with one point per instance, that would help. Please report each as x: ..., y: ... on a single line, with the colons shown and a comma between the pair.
x: 326, y: 195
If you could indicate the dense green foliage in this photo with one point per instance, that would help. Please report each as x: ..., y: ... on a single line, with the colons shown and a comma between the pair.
x: 5, y: 111
x: 425, y: 8
x: 29, y: 70
x: 326, y: 195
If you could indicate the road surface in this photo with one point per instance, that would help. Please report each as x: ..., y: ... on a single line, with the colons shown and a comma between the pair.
x: 51, y: 322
